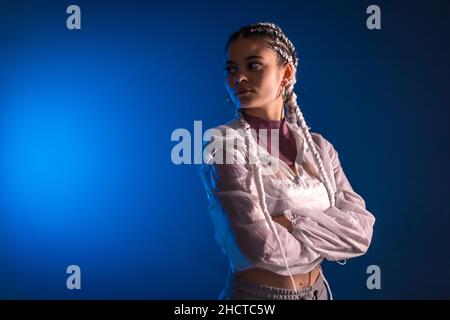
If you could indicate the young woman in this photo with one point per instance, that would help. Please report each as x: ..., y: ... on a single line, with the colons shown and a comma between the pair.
x: 278, y: 209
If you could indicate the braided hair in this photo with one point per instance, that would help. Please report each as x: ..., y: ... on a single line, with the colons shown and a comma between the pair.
x: 277, y: 40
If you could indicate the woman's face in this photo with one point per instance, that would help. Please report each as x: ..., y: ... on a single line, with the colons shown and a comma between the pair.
x: 253, y: 77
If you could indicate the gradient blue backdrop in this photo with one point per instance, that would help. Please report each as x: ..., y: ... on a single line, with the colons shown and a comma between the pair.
x: 86, y: 116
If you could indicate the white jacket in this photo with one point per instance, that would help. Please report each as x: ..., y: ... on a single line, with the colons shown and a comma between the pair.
x: 320, y: 231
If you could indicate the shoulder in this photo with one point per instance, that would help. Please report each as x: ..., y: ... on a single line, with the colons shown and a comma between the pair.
x: 325, y: 146
x: 222, y: 139
x: 227, y: 131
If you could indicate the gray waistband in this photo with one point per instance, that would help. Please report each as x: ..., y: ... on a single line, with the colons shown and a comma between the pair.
x: 240, y: 287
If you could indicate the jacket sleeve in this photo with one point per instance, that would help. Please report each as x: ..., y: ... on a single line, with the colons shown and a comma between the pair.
x: 341, y: 231
x: 240, y: 225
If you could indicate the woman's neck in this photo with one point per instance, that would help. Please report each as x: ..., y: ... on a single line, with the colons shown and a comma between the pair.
x: 269, y: 114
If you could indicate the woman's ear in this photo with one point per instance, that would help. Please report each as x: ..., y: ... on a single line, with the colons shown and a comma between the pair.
x: 288, y: 73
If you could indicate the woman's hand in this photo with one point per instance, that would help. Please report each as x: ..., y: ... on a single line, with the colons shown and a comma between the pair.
x: 284, y: 221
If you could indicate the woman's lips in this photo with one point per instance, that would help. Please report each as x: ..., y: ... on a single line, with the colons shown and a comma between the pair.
x: 240, y: 93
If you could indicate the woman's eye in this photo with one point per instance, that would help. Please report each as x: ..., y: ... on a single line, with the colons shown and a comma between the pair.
x: 229, y: 69
x: 251, y: 66
x: 254, y: 65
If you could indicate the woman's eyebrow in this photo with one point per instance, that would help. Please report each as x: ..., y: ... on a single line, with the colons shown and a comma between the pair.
x: 247, y: 58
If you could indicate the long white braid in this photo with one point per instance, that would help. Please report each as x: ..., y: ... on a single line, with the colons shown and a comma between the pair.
x: 294, y: 116
x: 294, y: 112
x: 292, y: 109
x: 260, y: 188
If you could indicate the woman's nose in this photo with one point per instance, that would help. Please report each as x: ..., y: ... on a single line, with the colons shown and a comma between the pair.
x: 240, y: 76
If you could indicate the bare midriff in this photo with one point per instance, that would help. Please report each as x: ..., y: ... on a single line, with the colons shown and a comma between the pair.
x: 269, y: 278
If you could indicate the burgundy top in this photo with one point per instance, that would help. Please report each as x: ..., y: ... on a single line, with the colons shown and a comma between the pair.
x: 287, y: 143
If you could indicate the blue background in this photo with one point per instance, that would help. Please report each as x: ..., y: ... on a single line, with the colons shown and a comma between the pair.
x: 86, y: 117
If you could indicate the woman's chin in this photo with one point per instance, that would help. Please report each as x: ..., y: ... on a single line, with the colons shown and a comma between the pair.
x: 246, y: 104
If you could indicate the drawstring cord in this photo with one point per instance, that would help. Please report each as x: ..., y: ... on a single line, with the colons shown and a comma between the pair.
x: 326, y: 284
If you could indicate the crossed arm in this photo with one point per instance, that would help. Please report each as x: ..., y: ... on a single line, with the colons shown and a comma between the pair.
x: 339, y: 232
